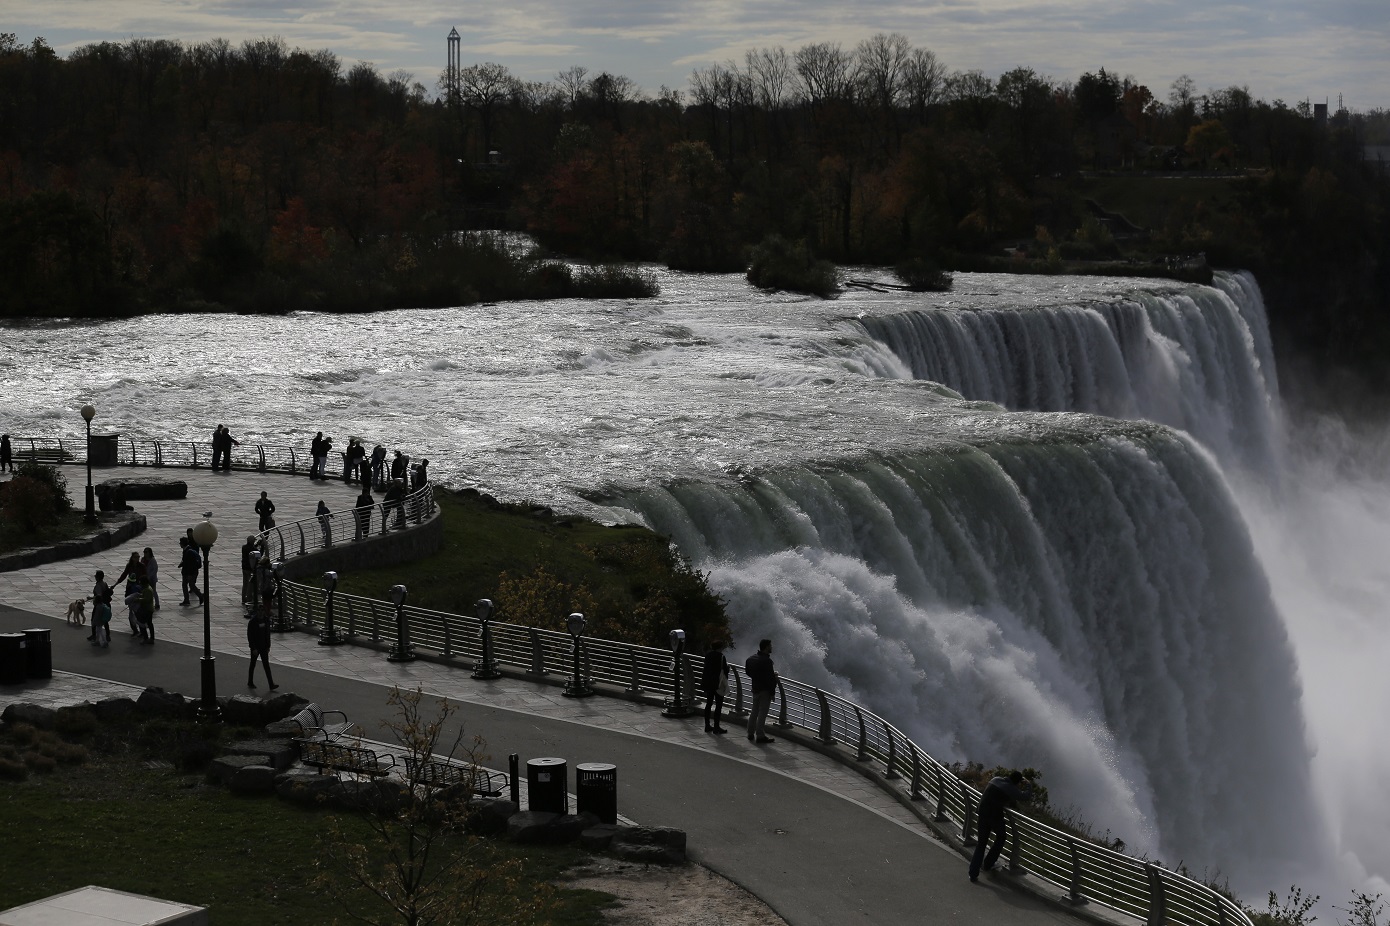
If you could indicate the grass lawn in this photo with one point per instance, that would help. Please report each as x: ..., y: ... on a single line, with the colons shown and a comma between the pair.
x: 625, y: 579
x: 122, y: 821
x: 13, y: 537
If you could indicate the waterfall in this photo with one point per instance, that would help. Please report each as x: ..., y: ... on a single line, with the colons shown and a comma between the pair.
x: 1197, y: 358
x: 1091, y: 607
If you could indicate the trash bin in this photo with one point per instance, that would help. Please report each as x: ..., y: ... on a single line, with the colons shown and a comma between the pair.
x: 546, y: 781
x: 11, y: 658
x: 105, y: 447
x: 596, y: 790
x: 38, y: 653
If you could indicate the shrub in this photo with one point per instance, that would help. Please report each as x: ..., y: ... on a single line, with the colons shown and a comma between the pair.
x: 12, y: 768
x: 74, y: 722
x: 780, y: 264
x: 50, y: 477
x: 28, y: 503
x: 922, y: 275
x: 613, y: 281
x: 40, y: 762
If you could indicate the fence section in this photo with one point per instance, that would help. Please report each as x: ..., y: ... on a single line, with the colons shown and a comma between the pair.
x: 1087, y: 872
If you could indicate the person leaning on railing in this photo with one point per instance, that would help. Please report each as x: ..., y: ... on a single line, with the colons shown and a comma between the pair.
x: 362, y: 514
x: 395, y: 498
x: 999, y: 795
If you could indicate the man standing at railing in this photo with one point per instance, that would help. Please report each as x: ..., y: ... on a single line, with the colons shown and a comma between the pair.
x: 395, y: 498
x: 6, y: 454
x: 248, y: 565
x: 1000, y: 794
x: 762, y: 678
x: 362, y: 514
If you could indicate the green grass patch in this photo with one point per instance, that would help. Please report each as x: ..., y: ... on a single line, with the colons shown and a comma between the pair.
x: 121, y: 821
x: 537, y: 568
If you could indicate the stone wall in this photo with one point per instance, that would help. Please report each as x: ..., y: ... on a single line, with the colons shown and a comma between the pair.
x: 114, y: 529
x: 376, y: 551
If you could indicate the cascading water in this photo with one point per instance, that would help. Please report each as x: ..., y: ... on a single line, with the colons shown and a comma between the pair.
x: 1041, y: 583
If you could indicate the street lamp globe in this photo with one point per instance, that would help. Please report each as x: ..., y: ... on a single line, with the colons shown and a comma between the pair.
x: 89, y: 412
x: 205, y: 532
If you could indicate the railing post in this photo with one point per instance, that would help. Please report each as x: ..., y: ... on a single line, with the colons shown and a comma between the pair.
x: 376, y: 623
x: 260, y: 448
x: 299, y: 525
x: 1015, y: 860
x: 1074, y: 889
x: 448, y: 639
x: 861, y: 753
x: 826, y: 734
x: 292, y: 462
x: 940, y: 815
x: 195, y: 455
x: 738, y: 695
x: 891, y: 771
x: 916, y: 794
x: 967, y: 825
x: 537, y: 654
x: 158, y: 454
x: 1158, y: 907
x: 782, y: 709
x: 352, y: 618
x: 634, y: 688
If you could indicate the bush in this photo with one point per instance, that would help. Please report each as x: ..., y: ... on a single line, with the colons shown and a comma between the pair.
x: 74, y: 722
x: 613, y: 281
x: 28, y: 503
x: 12, y: 768
x: 922, y: 275
x: 780, y: 264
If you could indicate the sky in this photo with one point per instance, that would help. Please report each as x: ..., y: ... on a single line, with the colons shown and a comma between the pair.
x: 1291, y: 50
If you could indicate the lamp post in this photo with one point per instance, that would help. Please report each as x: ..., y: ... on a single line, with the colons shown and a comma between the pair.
x: 678, y: 706
x: 576, y: 687
x: 89, y: 412
x: 205, y: 535
x: 330, y: 635
x: 487, y: 668
x: 400, y: 650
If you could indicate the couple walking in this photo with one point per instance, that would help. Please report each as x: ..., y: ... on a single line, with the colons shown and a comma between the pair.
x: 762, y: 677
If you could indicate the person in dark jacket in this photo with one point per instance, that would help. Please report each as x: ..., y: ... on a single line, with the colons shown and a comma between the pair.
x: 394, y: 499
x: 762, y: 678
x: 248, y: 582
x: 713, y: 681
x: 190, y: 561
x: 378, y: 462
x: 999, y: 795
x: 258, y: 638
x: 6, y: 454
x: 362, y: 512
x: 265, y: 508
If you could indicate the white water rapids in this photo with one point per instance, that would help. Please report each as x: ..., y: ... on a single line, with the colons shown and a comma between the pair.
x: 1178, y: 621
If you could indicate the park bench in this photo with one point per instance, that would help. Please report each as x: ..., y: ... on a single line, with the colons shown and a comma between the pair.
x: 337, y: 756
x: 442, y: 773
x: 311, y: 721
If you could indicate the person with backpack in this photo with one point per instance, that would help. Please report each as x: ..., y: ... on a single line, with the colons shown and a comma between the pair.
x: 258, y: 638
x: 190, y: 562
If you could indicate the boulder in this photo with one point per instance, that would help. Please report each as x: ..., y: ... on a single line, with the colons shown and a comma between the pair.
x: 531, y: 826
x: 283, y: 729
x: 285, y: 704
x: 660, y: 845
x: 377, y: 795
x: 244, y: 711
x: 568, y: 827
x: 252, y: 779
x: 221, y: 769
x: 114, y: 709
x: 161, y: 703
x: 598, y: 838
x: 305, y: 788
x: 33, y: 714
x: 488, y: 816
x: 281, y: 754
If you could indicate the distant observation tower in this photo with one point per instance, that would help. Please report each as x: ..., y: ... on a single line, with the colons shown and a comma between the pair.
x: 451, y: 72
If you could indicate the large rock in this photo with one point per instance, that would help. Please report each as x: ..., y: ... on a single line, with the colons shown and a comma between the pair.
x: 306, y: 788
x: 160, y: 703
x: 252, y: 779
x: 283, y: 729
x: 488, y: 816
x: 378, y: 795
x: 244, y: 711
x: 114, y: 709
x: 660, y: 845
x: 281, y: 753
x: 568, y: 827
x: 599, y: 838
x: 221, y: 769
x: 33, y: 714
x: 285, y: 704
x: 531, y: 826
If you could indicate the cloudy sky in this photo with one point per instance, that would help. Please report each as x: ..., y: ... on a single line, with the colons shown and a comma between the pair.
x: 1281, y: 49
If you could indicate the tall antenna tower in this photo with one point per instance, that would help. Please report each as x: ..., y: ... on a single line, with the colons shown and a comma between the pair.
x: 451, y: 73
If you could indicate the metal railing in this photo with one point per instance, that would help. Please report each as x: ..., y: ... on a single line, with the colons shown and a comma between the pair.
x: 322, y: 532
x: 1089, y: 873
x: 133, y: 451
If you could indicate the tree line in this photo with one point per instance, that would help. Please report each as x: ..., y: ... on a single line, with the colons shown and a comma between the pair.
x: 153, y: 174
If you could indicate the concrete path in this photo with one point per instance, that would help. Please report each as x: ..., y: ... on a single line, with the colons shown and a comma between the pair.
x: 816, y: 841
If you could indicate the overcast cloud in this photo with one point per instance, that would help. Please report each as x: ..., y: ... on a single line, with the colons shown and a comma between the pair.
x: 1281, y: 49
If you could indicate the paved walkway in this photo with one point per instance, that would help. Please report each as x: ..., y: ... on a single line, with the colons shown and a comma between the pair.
x: 815, y: 840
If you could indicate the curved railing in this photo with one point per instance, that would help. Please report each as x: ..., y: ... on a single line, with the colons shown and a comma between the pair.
x: 322, y: 532
x: 1087, y: 872
x: 123, y: 450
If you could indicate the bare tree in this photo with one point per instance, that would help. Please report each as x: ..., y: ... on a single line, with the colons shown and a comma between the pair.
x: 573, y: 83
x: 411, y: 849
x: 924, y: 77
x: 880, y: 65
x: 769, y: 72
x: 823, y: 71
x: 483, y: 88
